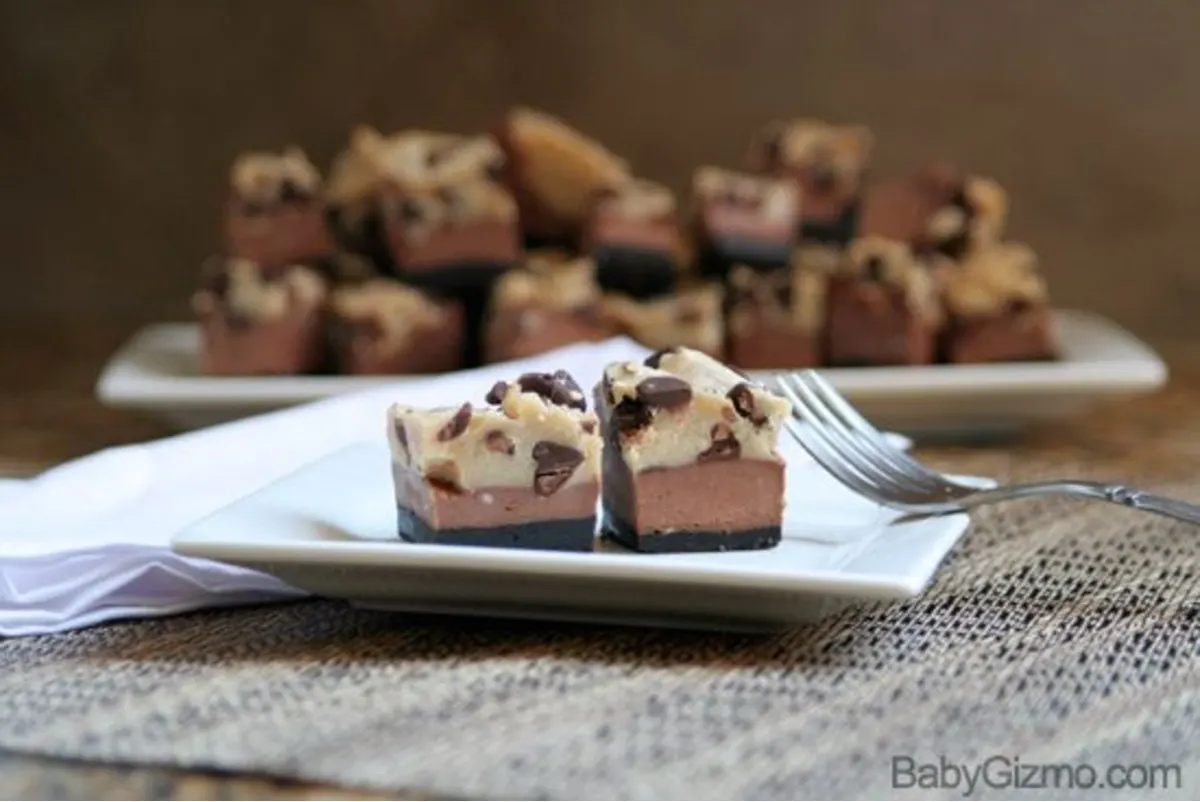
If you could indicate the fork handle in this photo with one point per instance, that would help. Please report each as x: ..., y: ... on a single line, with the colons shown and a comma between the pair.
x: 1140, y: 500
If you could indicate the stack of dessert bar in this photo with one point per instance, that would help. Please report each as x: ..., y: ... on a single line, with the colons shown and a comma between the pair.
x: 425, y: 252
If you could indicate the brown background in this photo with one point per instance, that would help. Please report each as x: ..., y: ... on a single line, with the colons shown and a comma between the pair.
x: 119, y: 118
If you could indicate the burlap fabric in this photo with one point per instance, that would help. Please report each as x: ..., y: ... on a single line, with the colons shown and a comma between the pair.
x: 1056, y: 633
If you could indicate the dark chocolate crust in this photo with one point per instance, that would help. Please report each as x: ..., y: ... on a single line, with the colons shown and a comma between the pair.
x: 640, y: 274
x: 619, y: 531
x: 721, y: 253
x: 564, y: 535
x: 832, y: 232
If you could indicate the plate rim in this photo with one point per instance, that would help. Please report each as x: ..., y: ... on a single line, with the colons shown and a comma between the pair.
x: 1120, y: 363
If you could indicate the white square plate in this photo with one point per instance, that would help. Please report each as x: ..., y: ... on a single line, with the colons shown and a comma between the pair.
x: 157, y: 371
x: 330, y: 529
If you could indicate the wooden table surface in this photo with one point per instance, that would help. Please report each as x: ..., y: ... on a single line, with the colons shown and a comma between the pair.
x: 48, y: 414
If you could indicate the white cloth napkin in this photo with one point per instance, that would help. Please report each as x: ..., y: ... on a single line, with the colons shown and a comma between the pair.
x: 87, y: 541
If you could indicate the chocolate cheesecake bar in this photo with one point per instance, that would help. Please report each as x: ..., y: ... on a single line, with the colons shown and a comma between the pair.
x: 255, y: 321
x: 523, y: 472
x: 374, y: 165
x: 555, y: 173
x: 633, y: 234
x: 828, y: 162
x: 937, y: 210
x: 998, y: 307
x: 740, y: 218
x: 275, y: 215
x: 383, y: 327
x: 776, y: 319
x: 690, y: 458
x: 693, y: 318
x: 882, y: 307
x: 548, y: 303
x: 451, y: 235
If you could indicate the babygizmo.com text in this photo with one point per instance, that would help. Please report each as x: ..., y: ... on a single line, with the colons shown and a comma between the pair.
x: 1008, y: 773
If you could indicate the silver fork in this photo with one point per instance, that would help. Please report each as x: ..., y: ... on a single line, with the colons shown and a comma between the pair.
x: 859, y: 456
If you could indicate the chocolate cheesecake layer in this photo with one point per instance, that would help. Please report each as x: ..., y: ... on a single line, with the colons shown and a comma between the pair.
x: 1018, y: 336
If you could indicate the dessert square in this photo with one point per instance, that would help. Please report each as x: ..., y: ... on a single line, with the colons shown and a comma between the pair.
x: 743, y: 219
x: 882, y: 307
x: 255, y: 321
x: 633, y: 234
x: 275, y: 215
x: 997, y: 307
x: 828, y: 162
x: 374, y: 165
x: 690, y: 456
x: 548, y: 303
x: 693, y: 318
x: 937, y: 210
x: 522, y: 472
x: 451, y: 236
x: 776, y: 319
x: 382, y: 327
x: 555, y: 173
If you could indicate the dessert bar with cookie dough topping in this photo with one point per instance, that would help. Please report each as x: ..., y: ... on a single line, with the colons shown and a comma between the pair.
x: 776, y: 319
x: 690, y: 455
x: 374, y: 166
x: 882, y: 307
x: 692, y: 318
x: 828, y: 162
x: 936, y: 210
x: 274, y: 213
x: 997, y: 307
x: 549, y: 302
x: 259, y: 322
x: 521, y: 472
x: 740, y: 218
x: 634, y: 236
x: 383, y: 327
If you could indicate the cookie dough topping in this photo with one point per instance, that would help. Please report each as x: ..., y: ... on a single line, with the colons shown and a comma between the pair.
x: 992, y: 280
x: 241, y: 291
x: 537, y: 433
x: 774, y: 199
x: 640, y: 200
x: 692, y: 317
x: 888, y: 263
x: 562, y: 284
x: 388, y: 310
x: 265, y: 179
x: 682, y: 406
x: 836, y: 151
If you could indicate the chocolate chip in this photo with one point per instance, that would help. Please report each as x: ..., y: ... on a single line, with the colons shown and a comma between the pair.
x: 630, y: 415
x: 401, y: 434
x: 557, y: 388
x: 588, y: 426
x: 666, y: 392
x: 743, y: 401
x: 498, y: 442
x: 555, y: 464
x: 411, y: 211
x: 497, y: 393
x: 456, y: 425
x: 655, y: 359
x: 874, y: 269
x: 253, y: 208
x: 724, y: 445
x: 443, y: 476
x: 291, y: 192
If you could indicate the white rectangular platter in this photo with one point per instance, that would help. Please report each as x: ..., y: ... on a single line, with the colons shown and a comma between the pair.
x: 156, y: 372
x: 330, y: 529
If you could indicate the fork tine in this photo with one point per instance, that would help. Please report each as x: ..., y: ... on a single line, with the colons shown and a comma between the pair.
x: 816, y: 443
x: 831, y: 462
x: 899, y: 486
x: 856, y: 422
